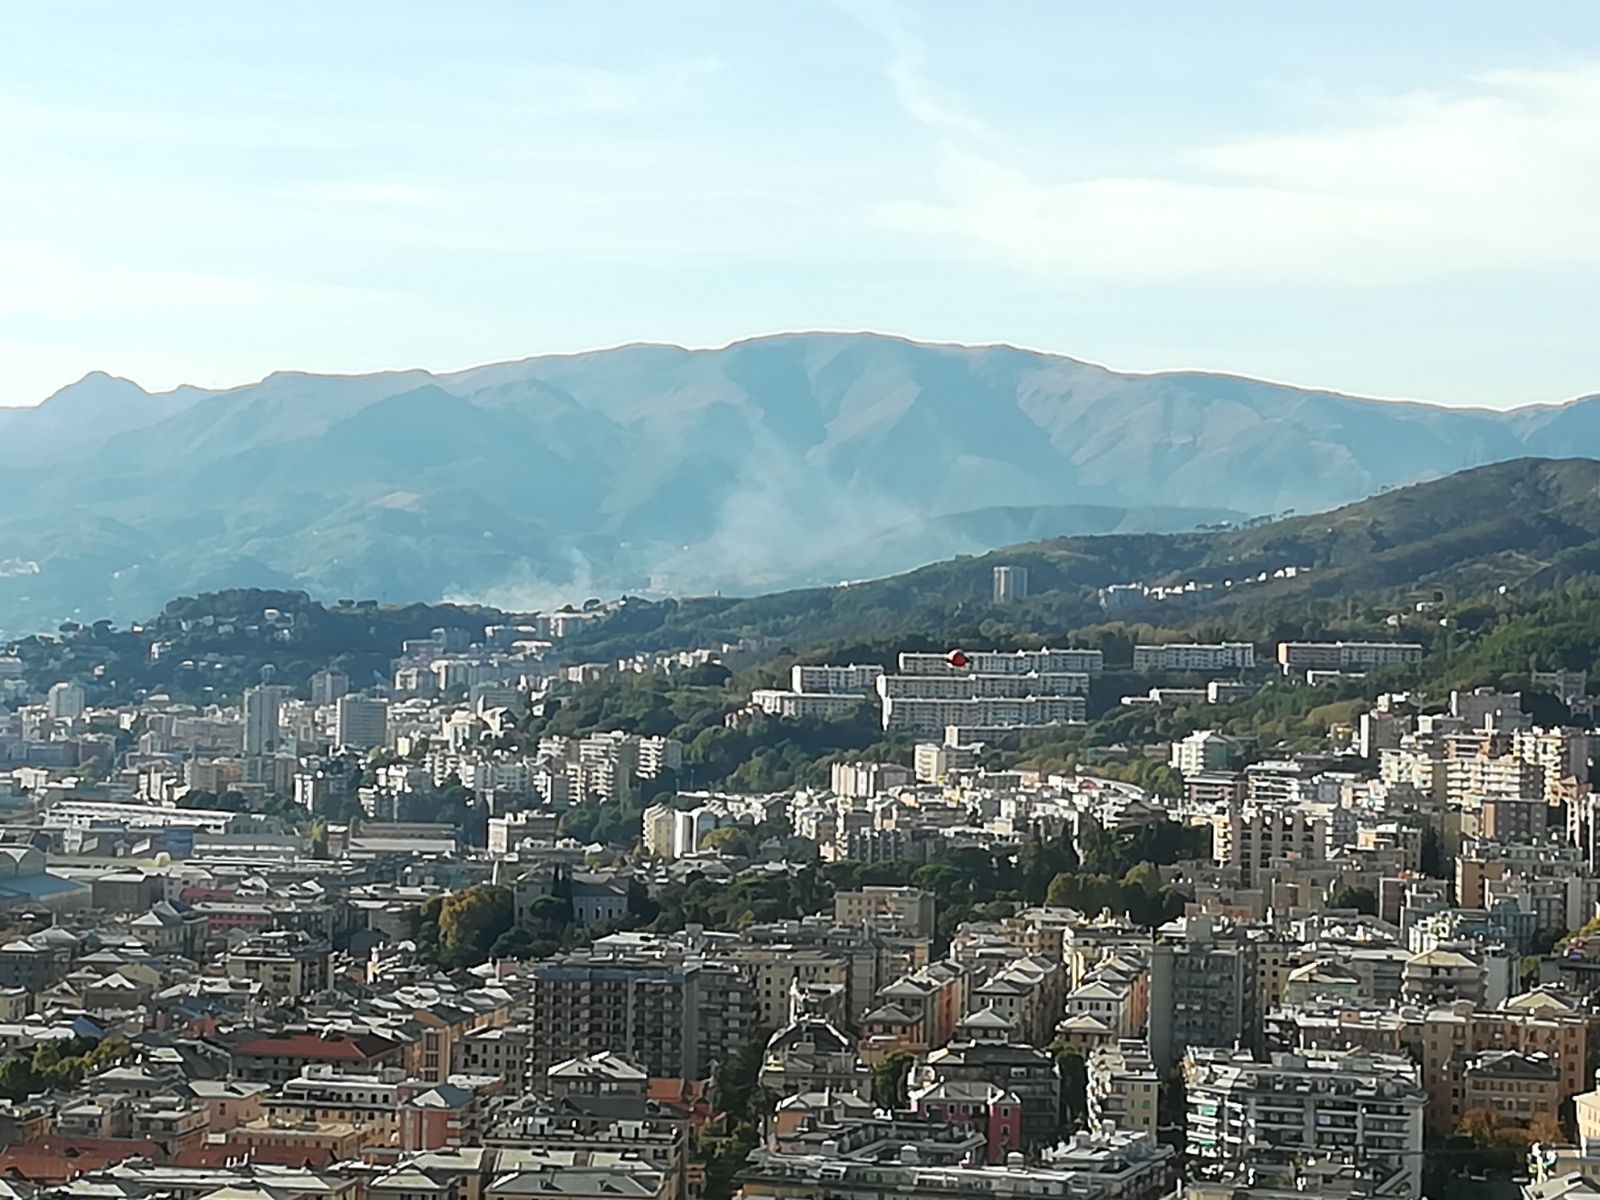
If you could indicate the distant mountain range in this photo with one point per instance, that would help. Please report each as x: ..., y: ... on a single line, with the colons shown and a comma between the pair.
x: 770, y: 463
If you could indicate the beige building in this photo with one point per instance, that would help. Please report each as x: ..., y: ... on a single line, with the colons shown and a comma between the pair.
x: 1124, y: 1088
x: 900, y: 911
x: 1441, y: 976
x: 302, y: 1139
x: 1534, y: 1023
x: 776, y: 970
x: 1246, y: 838
x: 321, y: 1096
x: 287, y: 963
x: 1515, y: 1086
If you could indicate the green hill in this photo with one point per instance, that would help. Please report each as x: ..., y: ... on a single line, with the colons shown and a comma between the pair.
x: 1527, y: 523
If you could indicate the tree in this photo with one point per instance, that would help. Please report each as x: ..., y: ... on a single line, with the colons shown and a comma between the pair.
x: 733, y: 840
x: 1545, y: 940
x: 1546, y: 1129
x: 1478, y: 1124
x: 1362, y: 899
x: 1498, y: 1145
x: 889, y: 1080
x: 513, y: 943
x: 471, y: 921
x: 739, y: 1095
x: 1145, y: 876
x: 549, y: 913
x: 1074, y: 1071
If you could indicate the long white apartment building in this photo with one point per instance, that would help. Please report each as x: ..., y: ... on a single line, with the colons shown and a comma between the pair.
x: 778, y: 702
x: 926, y: 715
x: 1195, y: 656
x: 975, y: 686
x: 1297, y: 657
x: 1004, y: 662
x: 859, y: 678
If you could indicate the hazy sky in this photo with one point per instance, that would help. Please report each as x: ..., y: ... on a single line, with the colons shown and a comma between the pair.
x: 1397, y: 199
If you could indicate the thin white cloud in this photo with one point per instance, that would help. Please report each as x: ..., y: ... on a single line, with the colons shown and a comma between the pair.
x: 906, y: 70
x: 583, y: 88
x: 1498, y: 174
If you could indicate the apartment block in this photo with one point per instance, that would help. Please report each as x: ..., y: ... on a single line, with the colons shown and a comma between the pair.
x: 1202, y: 989
x: 673, y: 1019
x: 1273, y: 1116
x: 1246, y: 838
x: 1299, y: 657
x: 794, y: 706
x: 901, y: 911
x: 1124, y: 1088
x: 1195, y: 656
x: 857, y: 678
x: 1005, y: 662
x: 928, y: 716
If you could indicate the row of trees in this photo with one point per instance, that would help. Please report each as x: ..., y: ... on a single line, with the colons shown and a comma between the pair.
x: 58, y: 1066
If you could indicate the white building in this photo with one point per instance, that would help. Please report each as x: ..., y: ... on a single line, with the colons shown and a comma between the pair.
x: 1195, y: 656
x: 925, y: 716
x: 858, y: 677
x: 1202, y: 751
x: 791, y: 706
x: 864, y: 780
x: 970, y: 686
x: 658, y: 755
x: 934, y: 762
x: 690, y: 828
x: 260, y: 707
x: 1004, y: 662
x: 65, y: 701
x: 328, y: 686
x: 1010, y: 584
x: 1297, y: 657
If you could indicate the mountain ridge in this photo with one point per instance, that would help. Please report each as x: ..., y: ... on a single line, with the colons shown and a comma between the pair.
x: 780, y: 335
x: 668, y: 470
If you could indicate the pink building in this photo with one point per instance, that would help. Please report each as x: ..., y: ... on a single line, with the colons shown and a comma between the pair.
x: 438, y: 1117
x: 971, y: 1104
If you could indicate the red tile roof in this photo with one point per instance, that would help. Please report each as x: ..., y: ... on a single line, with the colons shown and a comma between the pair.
x: 56, y: 1160
x: 337, y: 1046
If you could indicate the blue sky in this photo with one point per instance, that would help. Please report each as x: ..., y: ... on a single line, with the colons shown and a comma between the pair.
x: 1391, y: 199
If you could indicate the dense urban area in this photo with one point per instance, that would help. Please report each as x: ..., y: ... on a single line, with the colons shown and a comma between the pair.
x: 355, y: 902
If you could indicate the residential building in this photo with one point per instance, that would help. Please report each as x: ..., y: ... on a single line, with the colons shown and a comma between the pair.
x: 1202, y: 988
x: 1124, y: 1088
x: 1203, y: 752
x: 362, y: 722
x: 898, y: 911
x: 1193, y: 656
x: 674, y: 1019
x: 260, y: 710
x: 1300, y: 657
x: 286, y: 962
x: 985, y: 1050
x: 1010, y: 584
x: 858, y: 678
x: 1002, y: 662
x: 1274, y: 1115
